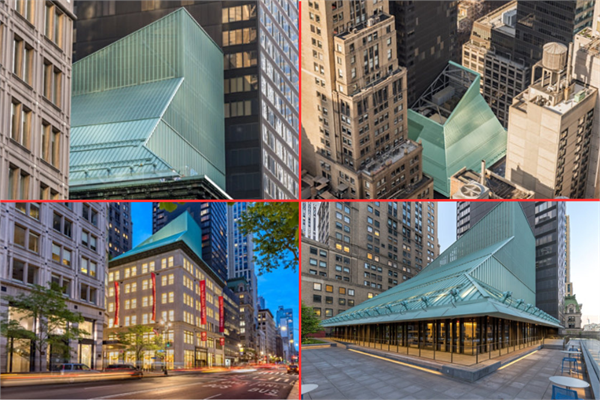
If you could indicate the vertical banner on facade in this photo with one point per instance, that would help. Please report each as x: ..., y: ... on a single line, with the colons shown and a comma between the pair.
x: 221, y: 315
x: 203, y: 302
x: 153, y: 296
x: 222, y: 341
x: 116, y: 304
x: 203, y: 336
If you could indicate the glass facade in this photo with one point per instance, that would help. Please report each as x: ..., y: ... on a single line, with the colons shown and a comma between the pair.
x: 466, y: 340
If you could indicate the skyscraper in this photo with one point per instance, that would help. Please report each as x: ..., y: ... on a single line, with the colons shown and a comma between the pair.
x: 310, y: 220
x: 211, y: 217
x: 426, y: 38
x: 364, y: 249
x: 120, y: 228
x: 548, y: 221
x: 285, y: 325
x: 35, y: 98
x: 354, y: 105
x: 259, y: 40
x: 240, y: 253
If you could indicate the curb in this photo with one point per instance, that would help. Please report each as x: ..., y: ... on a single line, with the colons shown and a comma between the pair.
x: 295, y: 393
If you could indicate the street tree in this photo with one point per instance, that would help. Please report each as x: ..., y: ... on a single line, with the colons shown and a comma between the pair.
x: 55, y: 324
x: 311, y: 323
x: 139, y: 339
x: 274, y: 227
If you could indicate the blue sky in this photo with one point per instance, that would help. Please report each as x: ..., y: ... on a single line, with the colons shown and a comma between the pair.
x: 585, y: 250
x: 279, y: 288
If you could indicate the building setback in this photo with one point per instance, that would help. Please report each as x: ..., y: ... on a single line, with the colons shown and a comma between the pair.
x: 174, y: 256
x: 62, y: 243
x: 134, y: 126
x: 548, y: 221
x: 259, y: 40
x: 478, y: 296
x: 365, y: 249
x: 550, y: 130
x: 120, y: 228
x: 356, y: 141
x: 212, y: 220
x: 35, y: 98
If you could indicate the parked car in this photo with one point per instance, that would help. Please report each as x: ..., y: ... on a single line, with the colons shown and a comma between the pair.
x: 135, y: 371
x: 71, y: 368
x: 293, y: 369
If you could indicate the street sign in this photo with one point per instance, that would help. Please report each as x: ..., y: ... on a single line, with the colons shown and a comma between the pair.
x: 160, y: 351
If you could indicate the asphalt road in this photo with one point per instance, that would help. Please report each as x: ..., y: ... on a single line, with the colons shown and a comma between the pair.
x: 262, y: 384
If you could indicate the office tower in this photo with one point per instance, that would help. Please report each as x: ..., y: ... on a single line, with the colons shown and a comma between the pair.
x: 240, y: 256
x: 120, y: 228
x: 455, y: 126
x: 426, y: 35
x: 489, y: 52
x: 310, y: 220
x: 586, y: 69
x: 569, y: 289
x: 267, y: 325
x: 596, y: 21
x: 365, y: 249
x: 481, y: 290
x: 173, y: 258
x: 261, y: 303
x: 470, y: 11
x: 248, y: 315
x: 259, y: 40
x: 35, y: 98
x: 211, y: 217
x: 61, y: 243
x: 548, y: 221
x: 542, y: 22
x: 550, y: 130
x: 354, y: 105
x: 285, y: 326
x: 169, y: 150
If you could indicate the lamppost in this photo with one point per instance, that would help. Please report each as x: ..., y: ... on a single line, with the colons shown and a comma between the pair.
x: 166, y: 326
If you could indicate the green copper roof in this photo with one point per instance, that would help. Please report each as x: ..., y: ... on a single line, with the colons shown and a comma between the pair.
x: 181, y: 229
x: 490, y: 270
x: 458, y: 132
x: 150, y: 106
x: 572, y: 300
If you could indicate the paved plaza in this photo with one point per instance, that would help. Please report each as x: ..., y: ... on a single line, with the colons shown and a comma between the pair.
x: 343, y: 374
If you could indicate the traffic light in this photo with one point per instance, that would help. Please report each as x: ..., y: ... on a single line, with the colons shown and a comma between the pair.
x: 169, y: 344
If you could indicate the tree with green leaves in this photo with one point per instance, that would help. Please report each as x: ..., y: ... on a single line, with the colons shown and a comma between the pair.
x: 311, y: 323
x: 274, y: 227
x: 56, y: 325
x: 139, y: 339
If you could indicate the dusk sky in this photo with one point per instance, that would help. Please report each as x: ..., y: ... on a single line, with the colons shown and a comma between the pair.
x: 279, y: 288
x: 585, y: 252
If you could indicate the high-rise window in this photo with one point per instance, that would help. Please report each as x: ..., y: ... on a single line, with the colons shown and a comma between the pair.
x: 18, y: 184
x: 52, y: 83
x: 20, y: 124
x: 23, y: 60
x: 26, y: 9
x: 54, y: 24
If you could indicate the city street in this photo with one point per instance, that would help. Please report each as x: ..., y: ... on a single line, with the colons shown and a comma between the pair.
x: 261, y: 384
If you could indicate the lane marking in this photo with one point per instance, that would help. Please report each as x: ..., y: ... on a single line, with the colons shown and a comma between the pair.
x: 398, y: 362
x: 212, y: 397
x: 148, y: 390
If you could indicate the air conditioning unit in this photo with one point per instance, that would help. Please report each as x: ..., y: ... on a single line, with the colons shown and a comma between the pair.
x: 472, y: 191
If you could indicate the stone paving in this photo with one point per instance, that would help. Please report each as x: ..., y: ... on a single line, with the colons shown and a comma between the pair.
x: 342, y: 374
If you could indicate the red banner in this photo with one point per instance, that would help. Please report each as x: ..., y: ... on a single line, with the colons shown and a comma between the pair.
x: 221, y: 315
x: 203, y: 302
x: 203, y: 336
x: 153, y: 296
x: 222, y: 341
x: 116, y: 304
